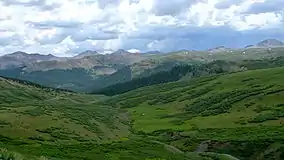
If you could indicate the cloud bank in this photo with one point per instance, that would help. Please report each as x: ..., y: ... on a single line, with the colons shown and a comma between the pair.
x: 66, y: 27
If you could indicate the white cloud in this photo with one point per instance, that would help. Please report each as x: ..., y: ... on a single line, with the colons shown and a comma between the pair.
x: 225, y: 4
x: 66, y: 27
x: 134, y: 50
x: 266, y: 6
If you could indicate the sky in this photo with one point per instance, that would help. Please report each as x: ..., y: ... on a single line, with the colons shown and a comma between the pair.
x: 68, y: 27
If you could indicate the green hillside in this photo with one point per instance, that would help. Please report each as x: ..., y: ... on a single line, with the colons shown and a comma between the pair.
x: 57, y: 78
x: 241, y: 114
x: 43, y: 123
x: 45, y: 114
x: 215, y: 117
x: 186, y: 72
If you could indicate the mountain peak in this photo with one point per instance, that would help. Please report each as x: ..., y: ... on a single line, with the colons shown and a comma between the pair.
x: 121, y: 51
x: 50, y: 55
x: 218, y: 49
x: 86, y: 53
x: 249, y: 46
x: 153, y: 52
x: 270, y: 43
x: 18, y: 53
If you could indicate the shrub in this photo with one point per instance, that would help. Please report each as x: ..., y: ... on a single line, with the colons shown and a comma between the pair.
x: 6, y: 155
x: 37, y: 138
x: 38, y: 111
x: 263, y: 117
x: 261, y: 108
x: 4, y: 123
x: 249, y: 104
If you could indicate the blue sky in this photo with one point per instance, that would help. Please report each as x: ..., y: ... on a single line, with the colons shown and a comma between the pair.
x: 67, y: 27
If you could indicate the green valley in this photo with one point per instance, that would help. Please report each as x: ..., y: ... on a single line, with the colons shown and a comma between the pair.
x: 221, y: 115
x: 44, y: 123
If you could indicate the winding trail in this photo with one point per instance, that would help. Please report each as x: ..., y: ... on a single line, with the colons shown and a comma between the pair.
x: 230, y: 157
x: 173, y: 149
x: 169, y: 147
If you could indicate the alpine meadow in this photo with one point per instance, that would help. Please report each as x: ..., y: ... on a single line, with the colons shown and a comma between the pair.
x: 141, y: 80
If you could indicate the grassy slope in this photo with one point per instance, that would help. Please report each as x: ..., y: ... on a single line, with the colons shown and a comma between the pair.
x: 191, y: 71
x: 39, y: 112
x: 241, y: 114
x: 57, y: 78
x: 45, y: 123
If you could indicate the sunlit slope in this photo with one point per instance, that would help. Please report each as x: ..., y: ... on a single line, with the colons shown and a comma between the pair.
x: 241, y: 114
x: 43, y: 114
x: 216, y: 101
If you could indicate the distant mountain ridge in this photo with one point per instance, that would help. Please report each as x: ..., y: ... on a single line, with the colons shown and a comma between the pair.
x: 87, y: 62
x: 86, y: 53
x: 32, y: 56
x: 87, y: 59
x: 121, y: 51
x: 18, y: 59
x: 268, y: 43
x: 153, y: 52
x: 219, y: 49
x: 90, y: 58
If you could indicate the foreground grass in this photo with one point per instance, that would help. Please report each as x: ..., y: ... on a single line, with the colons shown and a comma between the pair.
x: 134, y: 149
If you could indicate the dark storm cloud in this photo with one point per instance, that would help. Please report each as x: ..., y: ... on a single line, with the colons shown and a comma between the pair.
x: 41, y: 4
x: 92, y: 34
x: 267, y: 6
x: 169, y: 38
x: 225, y: 4
x: 160, y: 32
x: 174, y: 38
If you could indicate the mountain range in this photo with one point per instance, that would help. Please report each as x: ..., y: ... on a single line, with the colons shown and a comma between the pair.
x: 89, y: 58
x: 86, y: 53
x: 97, y: 71
x: 19, y: 58
x: 273, y: 43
